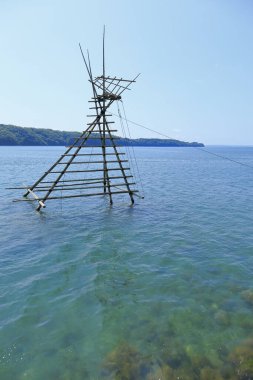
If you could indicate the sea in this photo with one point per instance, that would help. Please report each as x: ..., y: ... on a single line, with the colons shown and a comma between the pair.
x: 159, y: 290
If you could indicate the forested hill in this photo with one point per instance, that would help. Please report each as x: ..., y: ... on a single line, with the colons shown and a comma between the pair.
x: 13, y: 135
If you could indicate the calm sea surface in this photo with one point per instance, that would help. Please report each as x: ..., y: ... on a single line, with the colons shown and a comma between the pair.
x: 161, y: 290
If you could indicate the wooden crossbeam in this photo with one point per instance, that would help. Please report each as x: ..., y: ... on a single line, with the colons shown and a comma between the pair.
x: 71, y: 184
x: 77, y: 196
x: 67, y: 185
x: 93, y: 154
x: 109, y: 122
x: 90, y: 146
x: 92, y: 162
x: 106, y: 137
x: 78, y: 184
x: 46, y: 187
x: 108, y: 114
x: 58, y: 188
x: 118, y: 79
x: 111, y: 130
x: 100, y: 86
x: 88, y: 170
x: 88, y: 179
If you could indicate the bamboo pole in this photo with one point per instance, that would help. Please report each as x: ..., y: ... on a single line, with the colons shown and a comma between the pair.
x: 92, y: 162
x: 80, y: 187
x: 97, y: 105
x: 122, y: 169
x: 73, y: 196
x: 87, y: 171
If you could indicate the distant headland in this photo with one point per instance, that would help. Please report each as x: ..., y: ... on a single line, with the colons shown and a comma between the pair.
x: 12, y: 135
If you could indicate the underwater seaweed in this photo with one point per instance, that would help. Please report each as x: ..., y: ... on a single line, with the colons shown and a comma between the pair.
x: 125, y: 363
x: 241, y: 359
x: 247, y: 295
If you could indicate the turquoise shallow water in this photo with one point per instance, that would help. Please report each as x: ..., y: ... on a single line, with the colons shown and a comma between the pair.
x: 163, y: 289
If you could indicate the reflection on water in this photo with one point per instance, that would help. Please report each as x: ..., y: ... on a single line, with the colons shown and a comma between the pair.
x: 162, y: 290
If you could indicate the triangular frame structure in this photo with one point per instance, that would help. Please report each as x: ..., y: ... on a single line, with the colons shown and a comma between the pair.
x: 106, y: 90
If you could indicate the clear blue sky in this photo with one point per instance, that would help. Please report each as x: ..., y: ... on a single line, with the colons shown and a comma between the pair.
x: 195, y: 58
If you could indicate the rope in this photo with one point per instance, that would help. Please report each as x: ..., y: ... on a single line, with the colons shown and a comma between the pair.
x: 202, y: 149
x: 87, y: 166
x: 125, y: 137
x: 63, y: 183
x: 225, y: 158
x: 127, y: 146
x: 137, y: 168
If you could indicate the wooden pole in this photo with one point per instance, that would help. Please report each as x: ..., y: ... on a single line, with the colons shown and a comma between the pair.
x: 74, y: 196
x: 103, y: 137
x: 103, y: 112
x: 121, y: 167
x: 79, y: 187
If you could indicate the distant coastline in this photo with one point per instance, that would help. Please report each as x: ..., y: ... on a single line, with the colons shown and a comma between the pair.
x: 11, y: 135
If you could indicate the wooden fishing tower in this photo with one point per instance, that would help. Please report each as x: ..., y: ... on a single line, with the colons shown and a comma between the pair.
x: 86, y: 169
